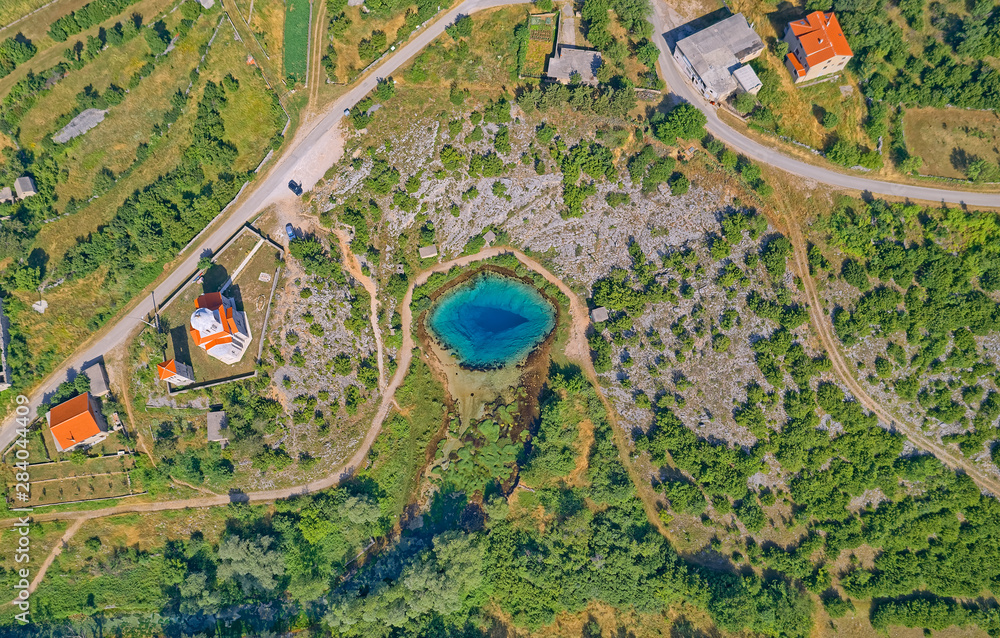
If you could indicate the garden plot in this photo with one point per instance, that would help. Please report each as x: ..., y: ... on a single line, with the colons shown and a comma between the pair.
x: 79, y: 488
x: 541, y: 38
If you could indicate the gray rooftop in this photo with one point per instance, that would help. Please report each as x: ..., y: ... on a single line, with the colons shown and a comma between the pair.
x: 79, y: 125
x: 569, y: 60
x: 599, y: 314
x: 426, y: 252
x: 217, y: 426
x: 746, y: 78
x: 24, y: 186
x: 98, y: 379
x: 717, y: 51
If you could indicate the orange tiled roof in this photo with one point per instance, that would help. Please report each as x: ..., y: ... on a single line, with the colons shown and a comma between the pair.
x: 209, y: 300
x: 799, y: 69
x: 72, y: 421
x: 166, y: 369
x: 821, y: 37
x: 213, y: 301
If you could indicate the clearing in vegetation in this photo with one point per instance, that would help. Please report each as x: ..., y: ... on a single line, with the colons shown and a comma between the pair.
x: 296, y: 40
x: 949, y: 140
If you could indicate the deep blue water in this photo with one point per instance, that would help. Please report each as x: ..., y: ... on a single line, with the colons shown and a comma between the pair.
x: 491, y: 320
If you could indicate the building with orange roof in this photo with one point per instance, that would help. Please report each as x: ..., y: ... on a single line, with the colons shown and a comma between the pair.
x: 219, y: 329
x: 816, y: 47
x: 76, y: 423
x: 175, y: 372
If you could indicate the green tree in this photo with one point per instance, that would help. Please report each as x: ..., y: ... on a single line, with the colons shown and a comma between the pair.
x: 684, y: 121
x: 252, y: 563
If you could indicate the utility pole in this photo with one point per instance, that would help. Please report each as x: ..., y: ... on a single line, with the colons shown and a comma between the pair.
x: 156, y: 314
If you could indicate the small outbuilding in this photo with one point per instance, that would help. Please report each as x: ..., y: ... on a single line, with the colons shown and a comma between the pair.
x: 24, y: 186
x: 490, y: 237
x: 98, y: 378
x: 427, y: 252
x: 217, y: 428
x: 6, y: 195
x: 174, y: 372
x: 599, y: 314
x: 747, y: 80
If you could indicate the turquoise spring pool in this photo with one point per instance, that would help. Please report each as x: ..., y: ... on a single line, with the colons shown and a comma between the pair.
x: 491, y: 321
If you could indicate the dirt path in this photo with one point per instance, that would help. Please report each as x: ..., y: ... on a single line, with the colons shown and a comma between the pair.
x: 576, y: 349
x: 354, y: 267
x: 203, y: 490
x: 44, y: 567
x: 824, y: 328
x: 315, y: 74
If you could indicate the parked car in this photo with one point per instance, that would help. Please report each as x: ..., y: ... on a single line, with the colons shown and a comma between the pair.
x: 295, y: 187
x: 290, y: 232
x: 347, y: 112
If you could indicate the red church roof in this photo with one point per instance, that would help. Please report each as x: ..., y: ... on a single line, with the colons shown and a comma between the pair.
x: 821, y: 37
x: 213, y: 301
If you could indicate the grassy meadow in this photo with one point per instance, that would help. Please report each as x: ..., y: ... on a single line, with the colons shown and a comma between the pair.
x: 296, y: 39
x: 949, y: 140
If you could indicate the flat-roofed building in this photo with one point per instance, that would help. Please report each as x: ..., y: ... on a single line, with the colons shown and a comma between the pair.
x: 217, y: 428
x: 427, y: 252
x: 98, y: 378
x: 570, y: 60
x: 711, y: 56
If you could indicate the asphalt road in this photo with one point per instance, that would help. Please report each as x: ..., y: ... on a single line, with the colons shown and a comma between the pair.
x: 681, y: 88
x: 296, y: 163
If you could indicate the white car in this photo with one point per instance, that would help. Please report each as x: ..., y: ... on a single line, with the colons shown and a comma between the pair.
x: 347, y: 112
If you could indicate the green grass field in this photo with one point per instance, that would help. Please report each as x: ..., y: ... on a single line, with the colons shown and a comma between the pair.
x: 296, y: 39
x: 11, y: 10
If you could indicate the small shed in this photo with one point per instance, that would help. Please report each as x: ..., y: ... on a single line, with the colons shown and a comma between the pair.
x: 6, y: 195
x: 599, y: 314
x: 747, y: 80
x: 490, y: 237
x: 426, y: 252
x: 98, y: 378
x: 217, y: 427
x: 24, y: 186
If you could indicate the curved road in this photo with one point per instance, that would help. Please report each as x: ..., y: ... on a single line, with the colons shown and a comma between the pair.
x: 576, y: 350
x: 681, y: 88
x: 298, y: 162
